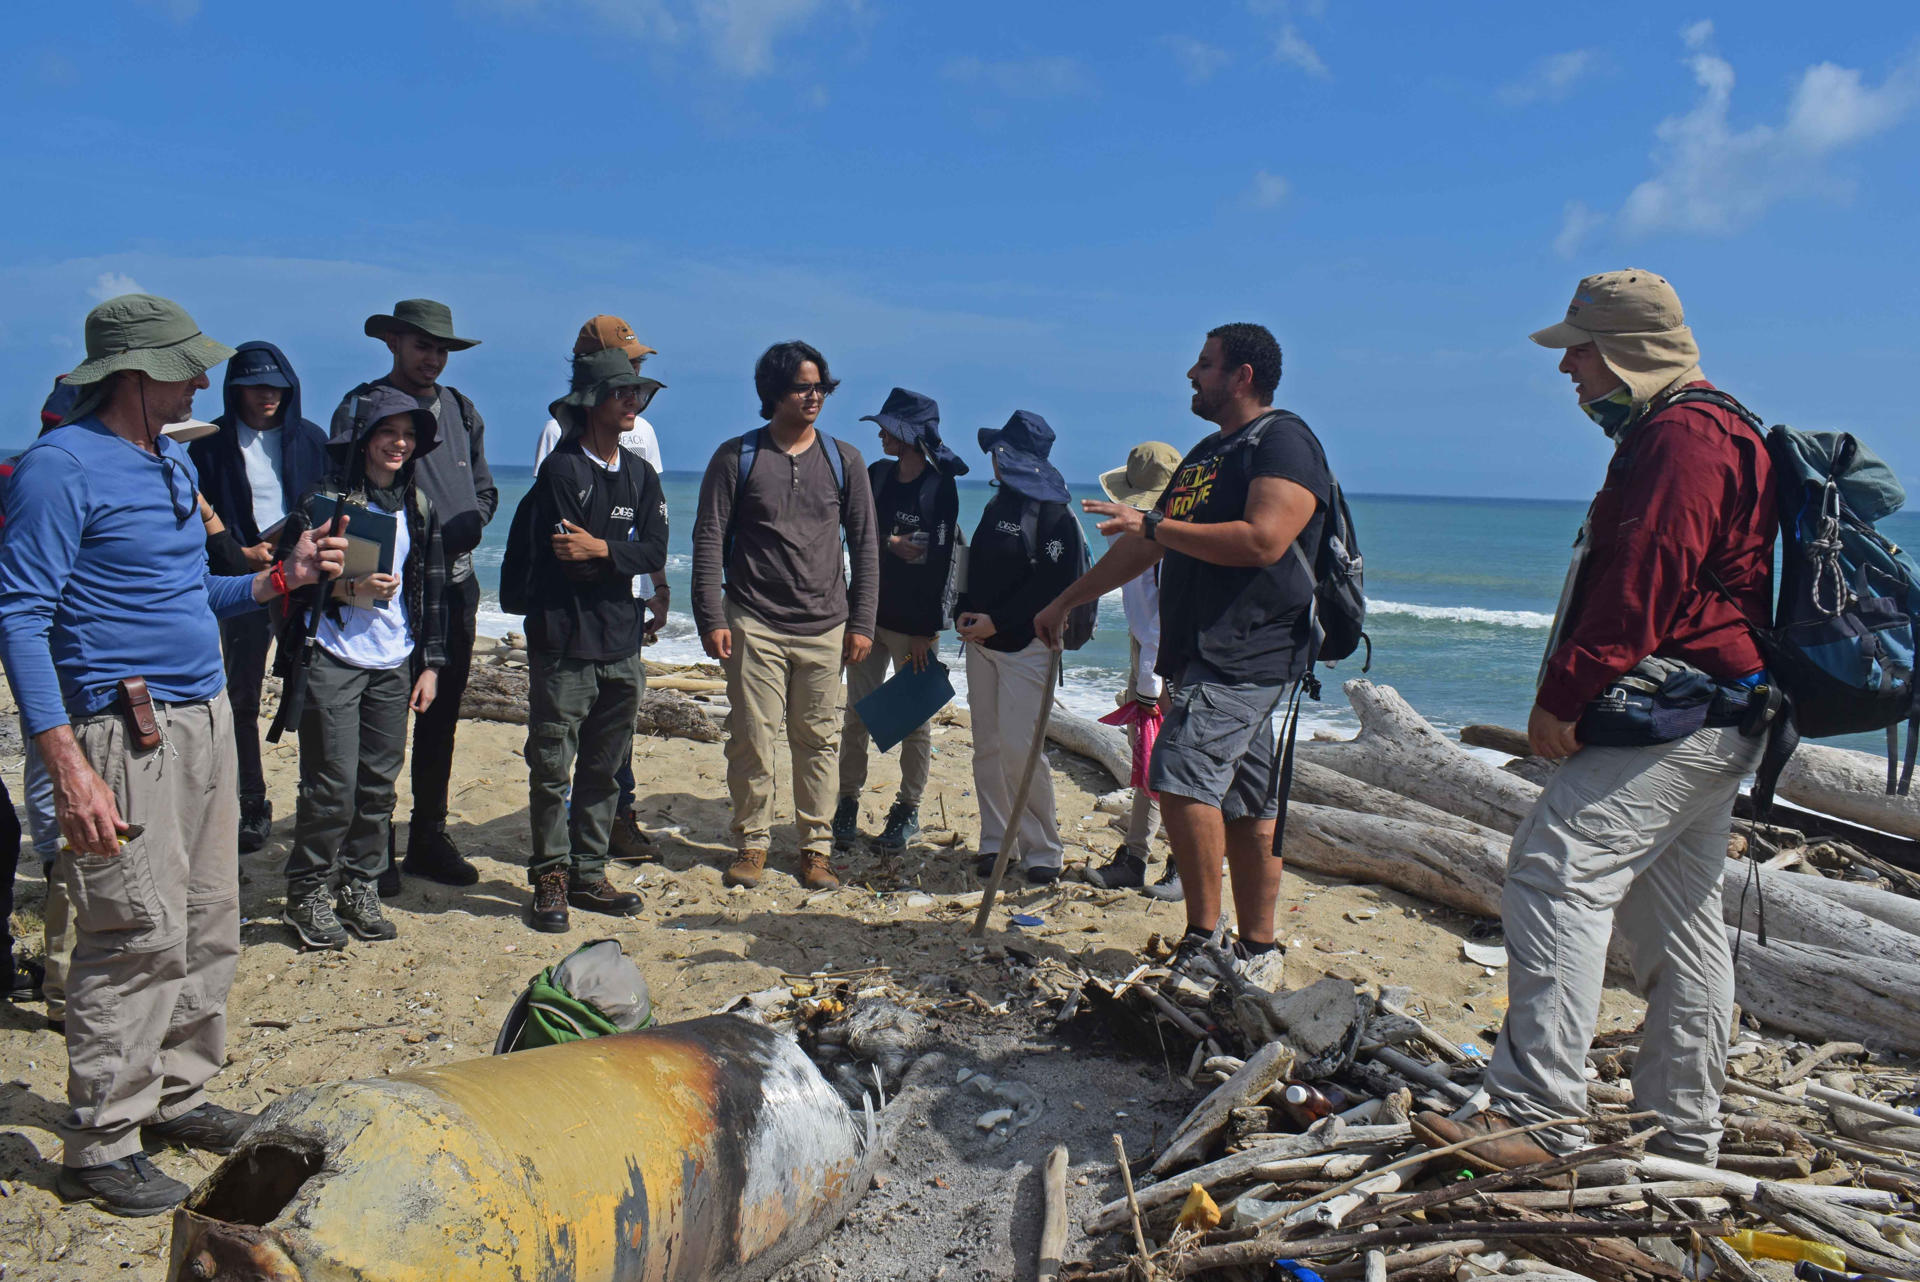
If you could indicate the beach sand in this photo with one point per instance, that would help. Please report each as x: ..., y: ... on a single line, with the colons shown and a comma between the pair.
x: 438, y: 993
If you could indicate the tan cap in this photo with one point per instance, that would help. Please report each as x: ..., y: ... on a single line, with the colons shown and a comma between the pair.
x: 1140, y: 483
x: 603, y: 332
x: 1623, y: 302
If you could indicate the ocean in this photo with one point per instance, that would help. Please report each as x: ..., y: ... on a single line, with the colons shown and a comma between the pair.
x: 1460, y: 595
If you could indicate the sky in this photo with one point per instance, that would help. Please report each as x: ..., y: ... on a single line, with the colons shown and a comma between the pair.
x: 1005, y: 206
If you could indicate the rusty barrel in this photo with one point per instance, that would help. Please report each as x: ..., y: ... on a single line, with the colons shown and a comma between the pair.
x: 708, y: 1150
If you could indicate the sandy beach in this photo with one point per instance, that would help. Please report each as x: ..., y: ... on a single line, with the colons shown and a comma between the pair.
x: 437, y: 993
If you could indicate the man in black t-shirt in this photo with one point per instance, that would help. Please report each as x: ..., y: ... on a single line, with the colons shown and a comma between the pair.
x: 1235, y: 625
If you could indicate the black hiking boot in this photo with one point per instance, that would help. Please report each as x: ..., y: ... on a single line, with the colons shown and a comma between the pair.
x: 432, y: 854
x: 983, y: 864
x: 256, y: 823
x: 1042, y: 875
x: 1125, y: 871
x: 549, y: 911
x: 312, y: 919
x: 130, y: 1186
x: 903, y: 825
x: 211, y: 1127
x: 358, y: 909
x: 846, y: 821
x: 598, y: 895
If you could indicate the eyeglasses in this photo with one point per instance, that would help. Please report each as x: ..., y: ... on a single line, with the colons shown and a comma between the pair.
x: 807, y: 391
x: 640, y: 396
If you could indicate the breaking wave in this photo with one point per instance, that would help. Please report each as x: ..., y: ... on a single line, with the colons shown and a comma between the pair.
x: 1464, y: 614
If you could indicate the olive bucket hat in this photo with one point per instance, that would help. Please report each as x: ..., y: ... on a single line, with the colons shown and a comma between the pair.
x: 596, y: 375
x: 153, y: 335
x: 419, y: 316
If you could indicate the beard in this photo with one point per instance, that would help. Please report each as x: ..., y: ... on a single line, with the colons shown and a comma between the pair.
x: 1204, y: 406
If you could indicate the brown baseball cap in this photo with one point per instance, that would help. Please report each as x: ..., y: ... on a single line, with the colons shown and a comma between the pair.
x: 603, y: 332
x: 1631, y: 301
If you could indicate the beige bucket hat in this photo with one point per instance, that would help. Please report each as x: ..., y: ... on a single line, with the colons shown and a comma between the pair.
x: 1150, y: 466
x: 1634, y: 317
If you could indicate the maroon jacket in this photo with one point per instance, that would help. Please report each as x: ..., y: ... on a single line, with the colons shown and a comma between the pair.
x: 1689, y: 490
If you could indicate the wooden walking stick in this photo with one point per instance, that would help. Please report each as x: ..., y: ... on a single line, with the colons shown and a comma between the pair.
x: 1011, y: 840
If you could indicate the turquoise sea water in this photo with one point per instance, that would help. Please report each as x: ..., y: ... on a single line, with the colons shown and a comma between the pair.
x: 1460, y: 596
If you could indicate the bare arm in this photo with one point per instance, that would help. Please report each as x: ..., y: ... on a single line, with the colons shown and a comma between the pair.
x: 1277, y: 510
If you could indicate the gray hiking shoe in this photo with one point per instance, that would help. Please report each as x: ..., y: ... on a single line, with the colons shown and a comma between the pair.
x: 1168, y: 887
x: 846, y: 821
x: 903, y: 825
x: 312, y: 919
x: 359, y: 911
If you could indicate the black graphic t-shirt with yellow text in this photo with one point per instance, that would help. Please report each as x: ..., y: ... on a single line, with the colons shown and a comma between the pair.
x: 1239, y: 623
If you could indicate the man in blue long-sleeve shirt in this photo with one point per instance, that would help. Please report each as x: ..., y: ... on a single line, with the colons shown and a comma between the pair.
x: 103, y: 578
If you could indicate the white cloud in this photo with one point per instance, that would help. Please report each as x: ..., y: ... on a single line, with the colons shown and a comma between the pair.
x: 1290, y: 47
x: 112, y: 285
x: 1043, y: 77
x: 1577, y: 222
x: 1197, y: 59
x: 1549, y: 80
x: 1269, y: 191
x: 1714, y: 178
x: 1697, y: 35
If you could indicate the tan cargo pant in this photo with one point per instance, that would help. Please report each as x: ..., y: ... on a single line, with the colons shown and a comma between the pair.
x: 890, y: 649
x: 775, y: 677
x: 1633, y: 841
x: 1004, y: 694
x: 157, y: 931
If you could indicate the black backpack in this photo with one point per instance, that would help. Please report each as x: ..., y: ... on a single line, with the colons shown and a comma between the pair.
x: 880, y: 476
x: 516, y: 559
x: 1078, y: 629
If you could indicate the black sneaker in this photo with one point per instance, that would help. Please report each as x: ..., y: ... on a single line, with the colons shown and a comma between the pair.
x: 358, y: 909
x: 597, y: 895
x: 1042, y: 875
x: 983, y: 865
x: 130, y: 1186
x: 388, y: 882
x: 210, y: 1126
x: 1168, y: 887
x: 903, y: 825
x: 23, y: 983
x: 846, y: 821
x: 256, y: 823
x: 312, y: 919
x: 432, y: 854
x: 1125, y: 871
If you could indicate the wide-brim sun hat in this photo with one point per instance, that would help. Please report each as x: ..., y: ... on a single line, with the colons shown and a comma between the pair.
x: 419, y: 316
x: 1020, y: 448
x: 915, y: 419
x: 1150, y: 468
x: 149, y: 334
x: 598, y: 374
x: 1634, y: 319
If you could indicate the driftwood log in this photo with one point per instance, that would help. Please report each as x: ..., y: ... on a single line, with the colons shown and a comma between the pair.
x: 1848, y: 785
x: 1105, y: 746
x: 500, y: 694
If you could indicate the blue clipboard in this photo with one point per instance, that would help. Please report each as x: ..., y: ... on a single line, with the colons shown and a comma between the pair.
x: 904, y: 702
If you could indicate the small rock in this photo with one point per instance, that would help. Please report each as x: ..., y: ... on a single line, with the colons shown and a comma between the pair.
x: 413, y: 1038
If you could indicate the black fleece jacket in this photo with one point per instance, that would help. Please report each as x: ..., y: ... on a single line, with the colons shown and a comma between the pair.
x: 1002, y: 583
x: 586, y: 609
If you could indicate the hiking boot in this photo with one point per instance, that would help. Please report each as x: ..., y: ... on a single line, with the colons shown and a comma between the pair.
x: 815, y: 873
x: 1436, y: 1130
x: 209, y: 1126
x: 746, y: 868
x: 597, y: 895
x: 23, y: 983
x: 1193, y: 964
x: 984, y: 862
x: 1042, y: 875
x: 1168, y: 888
x: 1125, y: 871
x: 629, y: 844
x: 388, y: 883
x: 312, y: 919
x: 549, y: 911
x: 130, y: 1186
x: 846, y: 821
x: 903, y: 825
x: 256, y: 823
x: 358, y: 909
x: 432, y: 854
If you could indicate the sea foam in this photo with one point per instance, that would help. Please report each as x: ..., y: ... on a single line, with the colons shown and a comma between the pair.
x: 1463, y: 614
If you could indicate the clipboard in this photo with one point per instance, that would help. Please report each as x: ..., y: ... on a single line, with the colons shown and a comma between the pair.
x: 904, y: 702
x: 370, y: 542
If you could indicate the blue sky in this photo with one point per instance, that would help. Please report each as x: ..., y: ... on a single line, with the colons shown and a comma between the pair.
x: 1005, y: 206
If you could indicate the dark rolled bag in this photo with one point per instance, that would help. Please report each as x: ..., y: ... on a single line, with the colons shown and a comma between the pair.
x: 1662, y: 700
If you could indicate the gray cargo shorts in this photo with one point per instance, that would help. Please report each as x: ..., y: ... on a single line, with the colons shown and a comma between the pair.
x: 1217, y: 747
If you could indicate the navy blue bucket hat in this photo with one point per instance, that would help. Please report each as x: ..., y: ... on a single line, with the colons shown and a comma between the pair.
x: 383, y: 402
x: 256, y: 367
x: 915, y: 419
x: 1021, y: 449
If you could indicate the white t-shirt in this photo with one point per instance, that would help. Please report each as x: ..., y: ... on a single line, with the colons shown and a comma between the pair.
x: 263, y: 453
x: 639, y: 438
x: 372, y: 636
x: 1141, y: 599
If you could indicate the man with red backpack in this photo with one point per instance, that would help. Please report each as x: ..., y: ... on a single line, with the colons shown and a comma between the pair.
x: 1655, y: 700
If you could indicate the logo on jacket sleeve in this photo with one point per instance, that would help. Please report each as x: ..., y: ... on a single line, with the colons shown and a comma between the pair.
x: 1055, y: 549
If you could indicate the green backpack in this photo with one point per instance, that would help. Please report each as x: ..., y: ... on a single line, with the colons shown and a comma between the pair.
x: 595, y: 991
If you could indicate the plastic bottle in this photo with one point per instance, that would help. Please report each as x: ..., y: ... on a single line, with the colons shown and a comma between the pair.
x: 1305, y: 1104
x: 1756, y: 1245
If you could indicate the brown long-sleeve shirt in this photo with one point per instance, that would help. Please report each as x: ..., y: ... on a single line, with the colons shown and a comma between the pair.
x: 786, y: 567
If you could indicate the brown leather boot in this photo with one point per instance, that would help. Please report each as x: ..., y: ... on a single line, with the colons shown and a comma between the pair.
x: 1436, y: 1130
x: 815, y: 874
x: 746, y: 868
x: 550, y: 903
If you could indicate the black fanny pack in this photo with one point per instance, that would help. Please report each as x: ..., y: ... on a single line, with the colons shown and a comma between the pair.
x: 1662, y: 700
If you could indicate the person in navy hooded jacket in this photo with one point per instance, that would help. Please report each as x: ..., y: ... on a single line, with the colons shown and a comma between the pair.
x: 253, y: 471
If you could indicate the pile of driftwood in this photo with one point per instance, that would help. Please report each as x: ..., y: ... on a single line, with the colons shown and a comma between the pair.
x: 1822, y: 1149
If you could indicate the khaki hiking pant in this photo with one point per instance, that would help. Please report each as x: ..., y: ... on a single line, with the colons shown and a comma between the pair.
x: 774, y: 677
x: 1627, y: 841
x: 1004, y: 694
x: 890, y: 649
x: 157, y: 930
